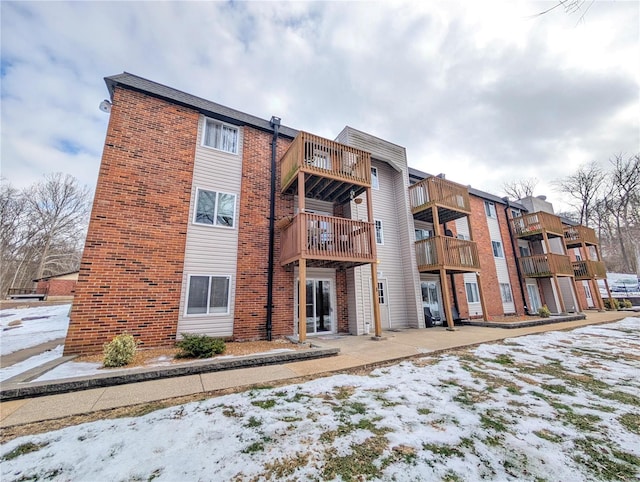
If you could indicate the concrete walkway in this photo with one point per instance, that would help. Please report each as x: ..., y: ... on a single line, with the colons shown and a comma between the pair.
x: 355, y: 352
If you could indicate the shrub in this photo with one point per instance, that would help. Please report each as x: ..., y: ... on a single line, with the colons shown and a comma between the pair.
x: 627, y: 304
x: 611, y: 304
x: 544, y: 312
x: 119, y: 351
x: 199, y: 346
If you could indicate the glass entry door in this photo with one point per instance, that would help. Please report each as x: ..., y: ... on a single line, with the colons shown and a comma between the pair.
x: 534, y: 298
x: 319, y: 306
x: 431, y: 300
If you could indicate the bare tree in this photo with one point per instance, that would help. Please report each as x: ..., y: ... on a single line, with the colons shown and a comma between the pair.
x: 622, y: 203
x: 570, y: 7
x: 41, y: 229
x: 583, y: 188
x: 520, y: 188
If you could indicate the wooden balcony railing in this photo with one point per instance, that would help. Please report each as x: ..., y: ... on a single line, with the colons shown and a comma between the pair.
x: 545, y: 265
x: 532, y: 225
x: 588, y: 269
x: 445, y: 252
x: 436, y: 191
x: 328, y: 238
x: 327, y: 158
x: 576, y: 235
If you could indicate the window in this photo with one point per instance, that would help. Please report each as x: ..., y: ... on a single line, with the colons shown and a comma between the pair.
x: 505, y: 293
x: 524, y: 251
x: 422, y: 234
x: 379, y: 234
x: 515, y: 213
x: 208, y: 295
x: 215, y: 208
x: 375, y: 183
x: 462, y: 236
x: 381, y: 292
x: 220, y: 136
x: 472, y: 292
x: 490, y: 209
x: 497, y: 249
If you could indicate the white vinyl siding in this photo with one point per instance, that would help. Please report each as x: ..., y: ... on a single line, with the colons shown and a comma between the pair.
x: 208, y: 251
x: 218, y: 135
x: 498, y: 247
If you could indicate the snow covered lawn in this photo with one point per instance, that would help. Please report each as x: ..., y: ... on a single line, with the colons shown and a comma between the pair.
x: 26, y: 327
x: 560, y: 406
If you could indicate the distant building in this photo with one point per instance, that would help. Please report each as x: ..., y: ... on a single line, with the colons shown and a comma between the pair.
x: 60, y: 286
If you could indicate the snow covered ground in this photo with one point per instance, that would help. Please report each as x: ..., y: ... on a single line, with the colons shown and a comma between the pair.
x: 26, y: 327
x: 555, y: 406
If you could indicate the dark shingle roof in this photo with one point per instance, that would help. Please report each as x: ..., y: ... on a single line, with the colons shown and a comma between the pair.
x: 206, y: 107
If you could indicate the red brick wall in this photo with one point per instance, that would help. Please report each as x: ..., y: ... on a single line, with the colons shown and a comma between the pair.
x: 253, y: 244
x: 57, y: 287
x: 131, y: 270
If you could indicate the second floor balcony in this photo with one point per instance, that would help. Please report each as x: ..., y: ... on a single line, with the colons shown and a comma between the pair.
x: 532, y: 226
x: 575, y: 236
x: 332, y: 171
x: 450, y: 199
x: 587, y: 269
x: 454, y: 255
x: 327, y: 241
x: 545, y: 265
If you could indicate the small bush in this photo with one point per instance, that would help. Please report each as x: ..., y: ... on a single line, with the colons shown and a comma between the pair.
x: 544, y: 312
x: 611, y: 304
x: 119, y: 351
x: 199, y: 346
x: 627, y: 304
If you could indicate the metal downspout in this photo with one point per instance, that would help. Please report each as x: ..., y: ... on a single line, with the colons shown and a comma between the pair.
x: 275, y: 125
x: 515, y: 256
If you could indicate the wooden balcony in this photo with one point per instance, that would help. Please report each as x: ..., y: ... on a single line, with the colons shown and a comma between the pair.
x: 332, y: 171
x: 450, y: 198
x: 545, y: 266
x: 327, y: 241
x: 588, y: 269
x: 575, y: 236
x: 531, y: 226
x: 454, y: 255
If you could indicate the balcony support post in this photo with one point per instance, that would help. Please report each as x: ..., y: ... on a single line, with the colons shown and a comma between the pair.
x: 483, y: 303
x: 374, y: 269
x: 553, y: 268
x: 302, y: 264
x: 606, y: 285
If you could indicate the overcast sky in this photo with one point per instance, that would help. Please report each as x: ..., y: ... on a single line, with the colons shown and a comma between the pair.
x: 482, y: 91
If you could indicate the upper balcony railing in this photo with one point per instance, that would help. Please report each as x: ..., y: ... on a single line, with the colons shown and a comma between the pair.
x: 449, y: 253
x: 576, y: 235
x: 545, y: 265
x: 322, y: 157
x: 588, y: 269
x: 534, y: 224
x: 327, y: 238
x: 452, y: 199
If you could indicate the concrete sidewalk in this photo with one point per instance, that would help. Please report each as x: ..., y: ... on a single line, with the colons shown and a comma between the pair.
x: 355, y: 352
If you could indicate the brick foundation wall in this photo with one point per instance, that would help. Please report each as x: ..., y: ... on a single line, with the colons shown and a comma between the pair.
x: 131, y: 271
x: 253, y: 244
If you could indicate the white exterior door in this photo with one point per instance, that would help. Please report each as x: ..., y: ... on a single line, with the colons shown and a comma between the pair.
x: 320, y: 302
x: 432, y: 301
x: 383, y: 301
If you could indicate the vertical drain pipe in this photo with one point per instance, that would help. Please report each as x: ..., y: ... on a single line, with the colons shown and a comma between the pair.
x: 515, y: 256
x: 275, y: 125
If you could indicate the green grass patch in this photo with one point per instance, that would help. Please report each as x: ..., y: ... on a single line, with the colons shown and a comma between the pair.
x: 547, y: 435
x: 444, y: 450
x: 284, y: 467
x: 360, y: 464
x: 630, y: 421
x: 253, y: 422
x: 493, y: 421
x: 265, y: 404
x: 504, y: 359
x: 556, y: 389
x: 605, y: 462
x: 423, y: 411
x: 22, y: 449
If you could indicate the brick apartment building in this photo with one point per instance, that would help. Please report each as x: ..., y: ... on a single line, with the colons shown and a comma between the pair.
x: 210, y: 220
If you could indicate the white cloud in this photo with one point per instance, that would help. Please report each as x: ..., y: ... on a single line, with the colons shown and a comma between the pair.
x: 479, y: 90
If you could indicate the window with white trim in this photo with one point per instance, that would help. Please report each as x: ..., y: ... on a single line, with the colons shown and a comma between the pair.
x: 490, y: 209
x: 505, y: 293
x: 472, y: 292
x: 375, y: 182
x: 214, y: 208
x: 208, y: 295
x: 379, y: 233
x: 497, y: 249
x: 381, y: 299
x: 220, y: 136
